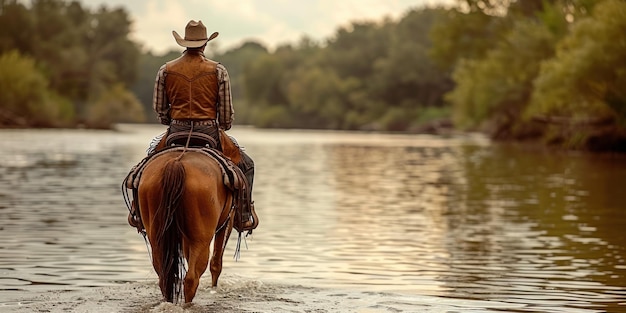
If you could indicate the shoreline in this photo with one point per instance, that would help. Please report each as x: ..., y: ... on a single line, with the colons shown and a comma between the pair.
x: 612, y: 140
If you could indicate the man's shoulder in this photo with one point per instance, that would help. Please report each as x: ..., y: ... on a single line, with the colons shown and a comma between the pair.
x: 216, y: 63
x: 170, y: 63
x: 221, y: 68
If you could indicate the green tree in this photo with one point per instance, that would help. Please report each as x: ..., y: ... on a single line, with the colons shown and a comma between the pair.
x: 81, y: 53
x: 18, y: 27
x: 353, y: 50
x: 492, y: 92
x: 24, y: 95
x: 265, y: 82
x: 408, y: 77
x: 113, y: 106
x: 316, y: 96
x: 580, y: 92
x: 459, y: 35
x: 353, y: 81
x: 236, y: 61
x: 586, y: 79
x: 143, y: 88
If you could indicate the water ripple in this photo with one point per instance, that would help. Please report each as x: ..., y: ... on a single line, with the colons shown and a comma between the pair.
x: 452, y: 218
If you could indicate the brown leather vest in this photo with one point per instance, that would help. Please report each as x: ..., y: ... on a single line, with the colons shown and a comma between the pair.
x: 192, y: 87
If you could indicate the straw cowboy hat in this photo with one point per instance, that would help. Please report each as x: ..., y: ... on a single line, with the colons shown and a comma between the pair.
x: 195, y: 35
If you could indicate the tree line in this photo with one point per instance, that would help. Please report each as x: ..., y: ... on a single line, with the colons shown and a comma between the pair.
x: 62, y: 65
x: 550, y: 70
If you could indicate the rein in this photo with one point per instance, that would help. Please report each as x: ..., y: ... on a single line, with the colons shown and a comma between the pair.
x: 186, y: 144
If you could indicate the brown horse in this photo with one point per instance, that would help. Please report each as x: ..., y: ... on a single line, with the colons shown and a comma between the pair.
x: 184, y: 205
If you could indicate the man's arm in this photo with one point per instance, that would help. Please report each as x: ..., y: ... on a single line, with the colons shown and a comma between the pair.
x: 226, y: 112
x: 160, y: 103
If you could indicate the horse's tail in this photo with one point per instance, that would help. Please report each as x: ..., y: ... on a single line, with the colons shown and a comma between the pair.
x: 169, y: 216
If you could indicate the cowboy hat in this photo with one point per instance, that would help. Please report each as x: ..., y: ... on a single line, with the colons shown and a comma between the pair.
x: 195, y: 35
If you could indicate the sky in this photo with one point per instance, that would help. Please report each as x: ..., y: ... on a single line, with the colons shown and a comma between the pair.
x: 270, y: 22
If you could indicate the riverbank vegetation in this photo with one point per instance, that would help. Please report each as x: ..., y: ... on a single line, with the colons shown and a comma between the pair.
x: 543, y: 70
x: 63, y: 65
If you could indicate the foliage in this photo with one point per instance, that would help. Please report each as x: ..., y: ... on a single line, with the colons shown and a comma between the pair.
x: 492, y: 91
x: 143, y: 87
x: 586, y: 79
x: 553, y: 69
x: 115, y: 105
x: 25, y: 97
x: 81, y: 53
x: 408, y: 48
x: 236, y: 61
x: 457, y: 36
x: 549, y: 69
x: 366, y: 76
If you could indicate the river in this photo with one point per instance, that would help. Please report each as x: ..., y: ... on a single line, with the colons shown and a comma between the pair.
x: 350, y: 222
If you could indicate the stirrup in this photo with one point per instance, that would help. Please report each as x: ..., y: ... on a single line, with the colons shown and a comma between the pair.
x: 251, y: 223
x: 255, y: 218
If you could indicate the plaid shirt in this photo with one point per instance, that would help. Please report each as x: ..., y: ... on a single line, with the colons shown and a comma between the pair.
x: 226, y: 113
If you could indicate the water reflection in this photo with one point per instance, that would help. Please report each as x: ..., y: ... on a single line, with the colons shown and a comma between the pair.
x: 458, y: 220
x: 58, y: 190
x: 446, y: 217
x: 530, y: 221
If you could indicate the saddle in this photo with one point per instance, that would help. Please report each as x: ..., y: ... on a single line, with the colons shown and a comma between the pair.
x: 229, y: 149
x: 234, y: 179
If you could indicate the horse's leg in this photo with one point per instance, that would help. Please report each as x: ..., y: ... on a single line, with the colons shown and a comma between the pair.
x: 147, y: 201
x: 156, y: 263
x: 219, y: 245
x: 197, y: 245
x: 198, y: 261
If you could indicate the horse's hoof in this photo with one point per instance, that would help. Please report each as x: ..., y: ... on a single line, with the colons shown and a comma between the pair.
x: 187, y: 305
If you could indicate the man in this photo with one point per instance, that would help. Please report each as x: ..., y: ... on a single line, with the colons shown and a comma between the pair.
x: 192, y: 96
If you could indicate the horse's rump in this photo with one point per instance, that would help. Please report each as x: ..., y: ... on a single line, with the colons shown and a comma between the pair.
x: 183, y: 201
x: 201, y: 179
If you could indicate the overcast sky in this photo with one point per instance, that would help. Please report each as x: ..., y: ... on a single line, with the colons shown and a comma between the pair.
x: 270, y: 22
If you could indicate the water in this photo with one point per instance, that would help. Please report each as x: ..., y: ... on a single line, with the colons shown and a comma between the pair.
x: 350, y: 222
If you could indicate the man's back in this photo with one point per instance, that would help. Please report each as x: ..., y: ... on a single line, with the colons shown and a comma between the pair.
x: 192, y: 87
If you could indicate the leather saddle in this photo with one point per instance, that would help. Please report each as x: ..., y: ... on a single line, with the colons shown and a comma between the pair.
x: 228, y: 158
